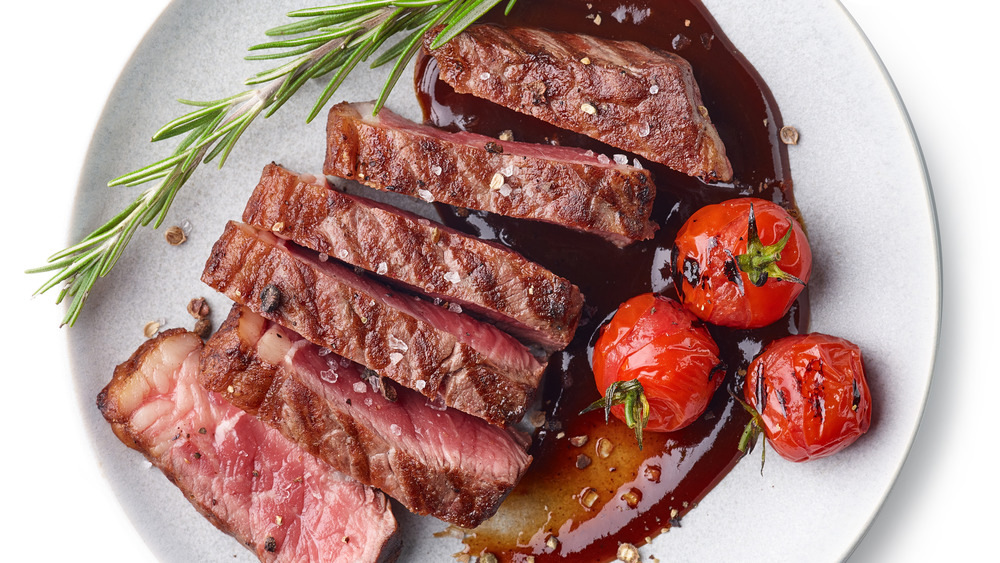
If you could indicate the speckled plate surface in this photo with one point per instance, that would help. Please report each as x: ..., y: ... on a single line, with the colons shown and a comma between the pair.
x: 860, y: 183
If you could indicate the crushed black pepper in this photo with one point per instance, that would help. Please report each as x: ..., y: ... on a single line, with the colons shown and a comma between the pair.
x: 270, y: 299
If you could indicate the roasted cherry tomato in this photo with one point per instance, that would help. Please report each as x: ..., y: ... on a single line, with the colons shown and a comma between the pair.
x: 656, y: 365
x: 741, y: 263
x: 809, y: 396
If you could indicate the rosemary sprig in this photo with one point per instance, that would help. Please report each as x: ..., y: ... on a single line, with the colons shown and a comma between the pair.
x: 322, y: 41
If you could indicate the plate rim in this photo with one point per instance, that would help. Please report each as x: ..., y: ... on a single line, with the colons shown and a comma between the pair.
x: 928, y: 199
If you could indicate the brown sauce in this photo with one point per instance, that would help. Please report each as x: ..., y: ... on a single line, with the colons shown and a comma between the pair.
x: 629, y: 495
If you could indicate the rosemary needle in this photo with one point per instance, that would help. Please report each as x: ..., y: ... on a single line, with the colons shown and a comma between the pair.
x: 321, y: 41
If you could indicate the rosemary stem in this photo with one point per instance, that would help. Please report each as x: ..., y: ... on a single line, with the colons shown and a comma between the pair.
x: 324, y: 40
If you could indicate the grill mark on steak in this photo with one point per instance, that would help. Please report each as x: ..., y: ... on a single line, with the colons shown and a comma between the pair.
x: 243, y: 476
x: 629, y: 96
x: 469, y: 365
x: 441, y: 462
x: 562, y: 185
x: 486, y: 278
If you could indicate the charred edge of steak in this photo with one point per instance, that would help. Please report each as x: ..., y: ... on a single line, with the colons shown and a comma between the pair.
x: 489, y: 280
x: 470, y: 365
x: 627, y: 95
x: 561, y: 185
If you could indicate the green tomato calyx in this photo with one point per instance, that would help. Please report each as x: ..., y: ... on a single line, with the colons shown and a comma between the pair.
x: 630, y: 394
x: 752, y: 431
x: 761, y: 262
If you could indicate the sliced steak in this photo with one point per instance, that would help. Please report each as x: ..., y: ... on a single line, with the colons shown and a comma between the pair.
x: 619, y: 92
x: 245, y: 477
x: 491, y: 280
x: 434, y: 460
x: 467, y: 364
x: 562, y: 185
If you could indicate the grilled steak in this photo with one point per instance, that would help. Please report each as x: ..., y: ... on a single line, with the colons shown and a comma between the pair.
x: 619, y: 92
x: 245, y: 477
x: 562, y: 185
x: 435, y: 461
x: 491, y: 280
x: 469, y: 365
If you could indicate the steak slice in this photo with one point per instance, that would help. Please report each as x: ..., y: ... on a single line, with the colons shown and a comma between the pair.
x: 449, y: 357
x: 562, y: 185
x: 619, y: 92
x: 488, y: 279
x: 441, y: 462
x: 245, y: 477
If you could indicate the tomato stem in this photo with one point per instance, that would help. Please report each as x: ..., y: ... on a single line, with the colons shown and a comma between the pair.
x: 752, y: 431
x: 630, y: 394
x: 761, y: 262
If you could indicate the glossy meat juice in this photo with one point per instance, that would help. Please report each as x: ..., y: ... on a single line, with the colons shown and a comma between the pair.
x: 559, y: 511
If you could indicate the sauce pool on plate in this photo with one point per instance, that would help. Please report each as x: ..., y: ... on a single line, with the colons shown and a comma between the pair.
x: 590, y: 488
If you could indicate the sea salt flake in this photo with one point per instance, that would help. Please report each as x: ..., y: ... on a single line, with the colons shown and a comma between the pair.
x: 505, y: 189
x: 360, y: 387
x: 454, y: 307
x: 654, y: 89
x: 382, y: 268
x: 328, y: 375
x: 397, y: 344
x: 644, y: 129
x: 621, y: 159
x: 426, y: 195
x: 484, y: 76
x: 603, y: 159
x: 453, y: 277
x: 395, y: 429
x: 436, y: 170
x: 420, y: 384
x: 496, y: 181
x: 508, y: 170
x: 636, y: 163
x: 323, y: 257
x: 437, y: 404
x: 395, y: 358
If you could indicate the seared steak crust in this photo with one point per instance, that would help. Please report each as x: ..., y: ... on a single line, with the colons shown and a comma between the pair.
x: 435, y: 461
x: 562, y: 185
x: 469, y: 365
x: 619, y: 92
x: 246, y: 478
x: 489, y: 279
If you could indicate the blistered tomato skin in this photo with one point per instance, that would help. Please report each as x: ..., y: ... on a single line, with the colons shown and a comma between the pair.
x: 654, y: 340
x: 811, y: 395
x: 707, y: 270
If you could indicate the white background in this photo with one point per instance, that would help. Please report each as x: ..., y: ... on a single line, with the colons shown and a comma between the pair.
x: 61, y: 58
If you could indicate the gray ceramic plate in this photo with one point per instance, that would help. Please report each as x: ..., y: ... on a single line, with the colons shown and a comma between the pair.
x: 860, y: 183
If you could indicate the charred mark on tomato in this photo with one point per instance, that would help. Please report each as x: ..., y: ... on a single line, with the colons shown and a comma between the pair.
x: 760, y: 391
x: 732, y: 271
x: 721, y: 366
x: 691, y: 271
x: 856, y: 395
x: 783, y: 401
